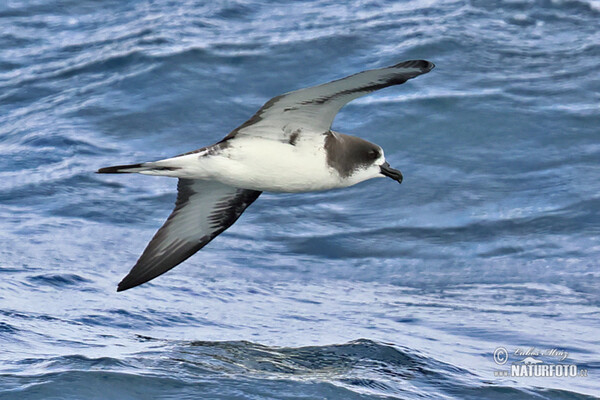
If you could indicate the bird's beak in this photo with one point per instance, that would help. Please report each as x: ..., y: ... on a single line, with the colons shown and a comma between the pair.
x: 391, y: 172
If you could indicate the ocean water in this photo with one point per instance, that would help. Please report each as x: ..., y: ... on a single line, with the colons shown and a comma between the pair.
x: 375, y: 291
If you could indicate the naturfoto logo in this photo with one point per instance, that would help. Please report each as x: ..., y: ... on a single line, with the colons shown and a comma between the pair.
x: 532, y: 362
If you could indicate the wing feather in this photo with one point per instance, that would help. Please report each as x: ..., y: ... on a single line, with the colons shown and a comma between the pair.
x: 313, y: 109
x: 203, y: 210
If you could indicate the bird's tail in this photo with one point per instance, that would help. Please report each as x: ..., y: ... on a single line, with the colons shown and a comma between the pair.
x: 150, y: 168
x: 122, y: 169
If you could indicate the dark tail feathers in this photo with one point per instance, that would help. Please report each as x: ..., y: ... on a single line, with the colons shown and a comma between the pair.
x: 149, y: 167
x: 122, y: 169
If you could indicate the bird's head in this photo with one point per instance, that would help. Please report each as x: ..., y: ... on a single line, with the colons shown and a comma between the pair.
x: 375, y: 166
x: 358, y: 160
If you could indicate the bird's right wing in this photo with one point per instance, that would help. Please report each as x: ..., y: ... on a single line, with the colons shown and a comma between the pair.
x: 313, y: 109
x: 202, y: 211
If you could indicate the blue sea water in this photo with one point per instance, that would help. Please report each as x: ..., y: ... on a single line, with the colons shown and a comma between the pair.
x: 375, y: 291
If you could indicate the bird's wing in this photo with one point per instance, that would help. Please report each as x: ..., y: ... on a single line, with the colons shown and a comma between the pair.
x: 202, y: 211
x: 313, y: 109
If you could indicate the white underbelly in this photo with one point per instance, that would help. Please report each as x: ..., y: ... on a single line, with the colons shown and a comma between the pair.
x: 261, y: 164
x: 274, y: 166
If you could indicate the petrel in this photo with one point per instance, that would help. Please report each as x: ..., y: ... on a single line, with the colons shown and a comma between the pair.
x: 287, y: 147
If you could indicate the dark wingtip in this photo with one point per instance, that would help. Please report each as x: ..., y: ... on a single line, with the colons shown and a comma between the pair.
x: 130, y: 281
x: 424, y: 65
x: 134, y: 278
x: 429, y: 65
x: 124, y: 286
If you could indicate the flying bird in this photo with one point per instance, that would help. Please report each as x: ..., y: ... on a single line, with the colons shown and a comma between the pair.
x: 287, y: 147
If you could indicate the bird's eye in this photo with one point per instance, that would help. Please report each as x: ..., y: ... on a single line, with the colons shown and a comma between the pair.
x: 374, y: 154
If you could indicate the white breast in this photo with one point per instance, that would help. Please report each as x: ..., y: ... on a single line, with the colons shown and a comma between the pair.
x: 265, y: 165
x: 274, y: 166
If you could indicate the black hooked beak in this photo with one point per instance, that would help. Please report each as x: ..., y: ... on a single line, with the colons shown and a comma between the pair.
x: 391, y: 172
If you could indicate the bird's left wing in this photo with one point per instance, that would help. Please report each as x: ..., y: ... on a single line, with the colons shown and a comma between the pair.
x: 313, y: 109
x: 202, y: 211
